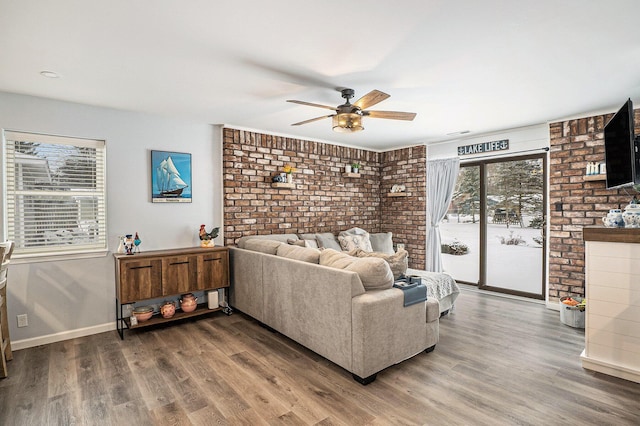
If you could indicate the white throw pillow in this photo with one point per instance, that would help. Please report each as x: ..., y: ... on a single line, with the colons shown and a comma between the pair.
x: 351, y: 242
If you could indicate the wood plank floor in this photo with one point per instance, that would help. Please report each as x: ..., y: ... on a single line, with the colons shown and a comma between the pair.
x: 499, y: 361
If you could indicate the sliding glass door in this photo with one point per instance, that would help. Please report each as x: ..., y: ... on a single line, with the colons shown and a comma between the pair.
x: 493, y: 235
x: 460, y: 230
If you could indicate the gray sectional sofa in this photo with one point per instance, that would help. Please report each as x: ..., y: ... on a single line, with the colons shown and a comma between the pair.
x: 327, y: 309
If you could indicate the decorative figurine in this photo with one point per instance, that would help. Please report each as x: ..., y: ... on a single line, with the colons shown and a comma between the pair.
x: 136, y: 242
x: 120, y: 249
x: 206, y: 238
x: 128, y: 244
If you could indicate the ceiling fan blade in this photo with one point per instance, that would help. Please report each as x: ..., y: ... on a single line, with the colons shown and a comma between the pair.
x: 311, y: 104
x: 392, y: 115
x: 311, y: 120
x: 370, y: 99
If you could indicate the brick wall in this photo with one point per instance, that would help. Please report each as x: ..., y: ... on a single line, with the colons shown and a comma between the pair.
x: 324, y: 200
x: 574, y: 143
x: 406, y: 217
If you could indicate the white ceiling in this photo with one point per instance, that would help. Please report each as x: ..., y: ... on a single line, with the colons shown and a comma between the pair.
x: 460, y: 65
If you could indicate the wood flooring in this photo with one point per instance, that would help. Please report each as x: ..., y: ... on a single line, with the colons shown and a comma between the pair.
x: 499, y: 362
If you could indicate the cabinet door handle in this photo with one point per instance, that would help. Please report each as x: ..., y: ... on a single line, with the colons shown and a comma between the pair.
x: 179, y: 263
x: 140, y: 267
x: 217, y: 259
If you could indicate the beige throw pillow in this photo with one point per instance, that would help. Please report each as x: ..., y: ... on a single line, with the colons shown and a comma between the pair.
x: 398, y: 262
x: 374, y: 273
x: 301, y: 243
x: 305, y: 254
x: 263, y: 245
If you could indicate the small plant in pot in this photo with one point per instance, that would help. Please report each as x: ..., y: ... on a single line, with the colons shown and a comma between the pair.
x: 355, y: 166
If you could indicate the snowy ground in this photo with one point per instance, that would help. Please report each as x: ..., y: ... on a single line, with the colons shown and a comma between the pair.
x: 515, y: 267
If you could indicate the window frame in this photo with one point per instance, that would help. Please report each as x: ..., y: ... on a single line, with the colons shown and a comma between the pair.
x: 98, y: 248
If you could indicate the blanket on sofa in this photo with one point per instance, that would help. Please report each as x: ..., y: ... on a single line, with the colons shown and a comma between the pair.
x: 440, y: 286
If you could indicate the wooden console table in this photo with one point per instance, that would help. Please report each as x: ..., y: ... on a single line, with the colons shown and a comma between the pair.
x: 612, y: 326
x: 168, y: 274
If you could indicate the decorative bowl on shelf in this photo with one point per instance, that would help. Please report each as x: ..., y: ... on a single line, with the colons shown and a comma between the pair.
x: 631, y: 216
x: 143, y: 313
x: 168, y: 309
x: 613, y: 219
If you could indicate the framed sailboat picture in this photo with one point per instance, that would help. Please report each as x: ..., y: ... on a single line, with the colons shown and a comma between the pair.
x: 170, y: 177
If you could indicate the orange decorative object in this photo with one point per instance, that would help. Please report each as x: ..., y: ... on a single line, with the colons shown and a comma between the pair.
x: 168, y: 309
x: 188, y: 303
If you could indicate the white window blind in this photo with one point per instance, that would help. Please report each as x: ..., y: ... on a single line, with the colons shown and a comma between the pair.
x: 55, y: 194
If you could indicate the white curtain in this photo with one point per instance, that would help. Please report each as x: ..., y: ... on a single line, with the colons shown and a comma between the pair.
x: 441, y: 180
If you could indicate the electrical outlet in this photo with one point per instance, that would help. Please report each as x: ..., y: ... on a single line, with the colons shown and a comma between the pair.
x: 400, y: 246
x: 23, y: 320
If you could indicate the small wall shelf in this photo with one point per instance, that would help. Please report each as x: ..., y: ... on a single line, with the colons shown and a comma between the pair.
x: 283, y: 185
x: 351, y: 175
x: 397, y: 194
x: 594, y: 178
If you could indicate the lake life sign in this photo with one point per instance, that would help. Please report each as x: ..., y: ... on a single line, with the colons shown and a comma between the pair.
x: 478, y: 148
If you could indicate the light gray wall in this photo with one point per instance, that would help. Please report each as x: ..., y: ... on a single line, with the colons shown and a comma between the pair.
x: 74, y: 297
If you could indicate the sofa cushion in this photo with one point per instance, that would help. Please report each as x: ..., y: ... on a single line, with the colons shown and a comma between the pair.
x: 263, y: 245
x: 351, y: 242
x: 305, y: 254
x: 274, y: 237
x: 309, y: 239
x: 382, y: 242
x: 327, y: 240
x: 398, y: 262
x: 374, y: 272
x: 301, y: 243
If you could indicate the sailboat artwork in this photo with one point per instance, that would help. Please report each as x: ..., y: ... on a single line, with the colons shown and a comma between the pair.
x: 171, y: 177
x: 169, y: 182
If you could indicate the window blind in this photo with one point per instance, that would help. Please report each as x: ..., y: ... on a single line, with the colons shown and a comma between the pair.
x: 55, y: 194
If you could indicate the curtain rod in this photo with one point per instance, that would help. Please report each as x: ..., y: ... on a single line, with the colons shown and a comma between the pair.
x: 546, y: 149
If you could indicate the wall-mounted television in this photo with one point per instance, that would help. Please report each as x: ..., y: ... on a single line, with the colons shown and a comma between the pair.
x: 621, y: 152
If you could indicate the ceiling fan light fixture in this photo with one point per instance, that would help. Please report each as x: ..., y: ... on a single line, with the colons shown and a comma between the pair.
x: 347, y: 122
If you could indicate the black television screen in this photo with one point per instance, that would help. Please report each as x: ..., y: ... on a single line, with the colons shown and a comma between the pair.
x: 619, y: 149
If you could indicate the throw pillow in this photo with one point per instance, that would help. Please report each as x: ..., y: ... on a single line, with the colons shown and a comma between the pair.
x: 351, y: 242
x: 354, y: 231
x: 328, y: 241
x: 300, y: 243
x: 310, y: 240
x: 275, y: 237
x: 262, y: 245
x: 374, y: 273
x: 398, y: 262
x: 304, y: 254
x: 382, y: 242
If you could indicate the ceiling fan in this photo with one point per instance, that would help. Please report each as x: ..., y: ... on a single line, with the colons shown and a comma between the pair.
x: 348, y: 116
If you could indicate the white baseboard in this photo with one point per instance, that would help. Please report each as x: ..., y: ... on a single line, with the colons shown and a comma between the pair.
x: 610, y: 369
x: 59, y: 337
